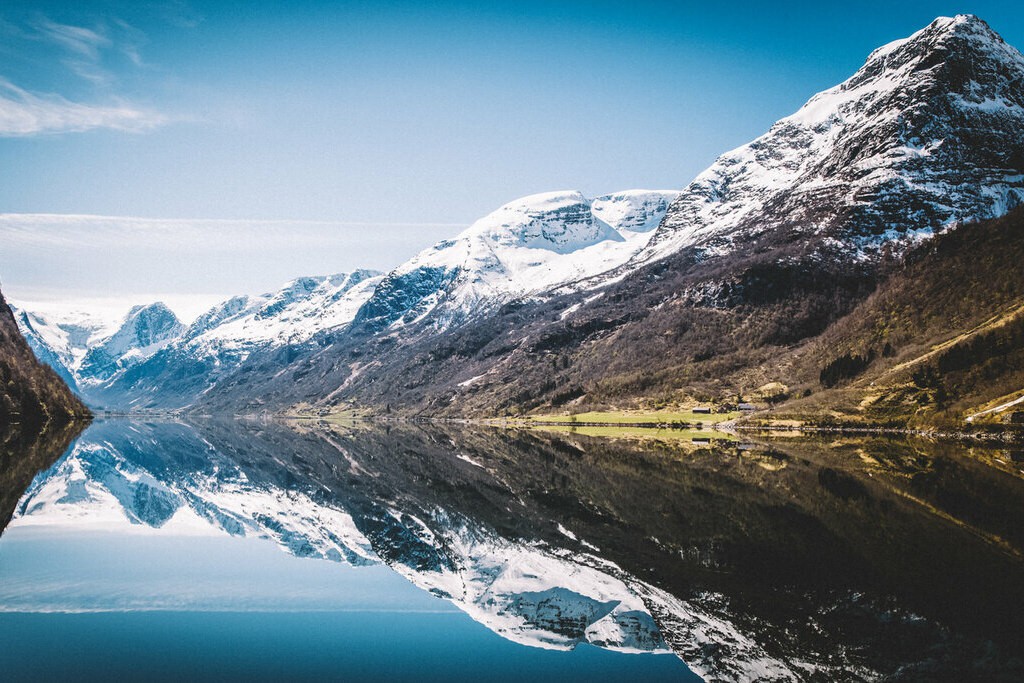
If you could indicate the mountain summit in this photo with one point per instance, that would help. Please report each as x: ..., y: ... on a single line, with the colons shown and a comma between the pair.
x: 557, y: 297
x: 529, y: 246
x: 926, y: 135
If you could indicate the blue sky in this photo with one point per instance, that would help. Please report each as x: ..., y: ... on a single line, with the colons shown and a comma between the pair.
x: 355, y: 117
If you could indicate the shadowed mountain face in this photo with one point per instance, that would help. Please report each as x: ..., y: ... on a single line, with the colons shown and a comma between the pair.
x: 788, y: 561
x: 31, y: 394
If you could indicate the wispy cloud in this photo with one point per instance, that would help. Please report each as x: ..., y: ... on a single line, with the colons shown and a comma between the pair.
x: 77, y: 39
x: 71, y: 256
x: 23, y: 113
x: 203, y: 235
x: 84, y: 47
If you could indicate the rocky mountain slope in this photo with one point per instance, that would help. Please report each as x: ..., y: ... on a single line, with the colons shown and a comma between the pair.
x: 529, y: 247
x: 940, y: 339
x: 556, y: 300
x: 764, y: 251
x: 526, y: 248
x: 925, y: 136
x: 31, y: 393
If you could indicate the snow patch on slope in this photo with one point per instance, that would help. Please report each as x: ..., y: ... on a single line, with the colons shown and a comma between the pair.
x: 527, y: 247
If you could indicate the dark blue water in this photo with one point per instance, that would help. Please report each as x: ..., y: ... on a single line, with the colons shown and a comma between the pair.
x: 342, y: 646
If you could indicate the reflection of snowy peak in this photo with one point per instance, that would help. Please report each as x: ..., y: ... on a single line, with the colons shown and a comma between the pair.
x: 167, y: 478
x: 131, y: 476
x: 532, y: 595
x: 527, y: 247
x: 925, y: 135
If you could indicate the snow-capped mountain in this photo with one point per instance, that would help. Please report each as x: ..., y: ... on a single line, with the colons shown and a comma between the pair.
x: 86, y: 351
x: 145, y: 330
x: 925, y: 136
x: 293, y: 314
x: 120, y: 368
x: 527, y: 247
x: 62, y: 341
x: 928, y: 134
x: 781, y: 236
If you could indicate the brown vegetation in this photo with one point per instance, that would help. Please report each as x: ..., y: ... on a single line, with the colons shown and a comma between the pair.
x: 31, y: 393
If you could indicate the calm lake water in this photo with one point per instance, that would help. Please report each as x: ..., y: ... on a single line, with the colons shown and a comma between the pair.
x: 233, y: 550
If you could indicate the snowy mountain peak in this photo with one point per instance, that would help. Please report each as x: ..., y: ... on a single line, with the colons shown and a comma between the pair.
x: 531, y: 245
x: 145, y: 330
x: 292, y: 291
x: 557, y: 221
x: 149, y: 324
x: 929, y: 133
x: 218, y: 315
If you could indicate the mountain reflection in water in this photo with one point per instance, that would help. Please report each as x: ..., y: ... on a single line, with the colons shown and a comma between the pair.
x: 851, y: 558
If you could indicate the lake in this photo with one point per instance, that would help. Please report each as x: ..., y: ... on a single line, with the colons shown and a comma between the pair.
x: 260, y: 550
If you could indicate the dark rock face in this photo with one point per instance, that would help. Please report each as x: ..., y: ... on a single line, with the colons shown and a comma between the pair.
x: 30, y: 393
x: 402, y: 297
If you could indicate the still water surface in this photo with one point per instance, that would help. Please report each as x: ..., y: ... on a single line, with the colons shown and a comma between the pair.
x: 230, y: 550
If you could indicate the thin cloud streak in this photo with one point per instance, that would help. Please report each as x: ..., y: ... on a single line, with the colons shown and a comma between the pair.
x: 77, y: 39
x: 23, y: 114
x: 227, y: 235
x: 84, y: 45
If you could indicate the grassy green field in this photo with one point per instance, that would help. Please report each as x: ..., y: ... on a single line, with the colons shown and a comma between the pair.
x: 654, y: 417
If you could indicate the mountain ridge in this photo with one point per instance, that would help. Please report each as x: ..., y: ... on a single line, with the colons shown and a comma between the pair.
x: 774, y: 243
x: 556, y: 300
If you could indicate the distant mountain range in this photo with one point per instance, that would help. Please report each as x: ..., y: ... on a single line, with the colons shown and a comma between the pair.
x: 556, y: 300
x: 525, y: 248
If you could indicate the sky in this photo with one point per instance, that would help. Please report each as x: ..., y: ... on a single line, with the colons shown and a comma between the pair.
x: 189, y: 150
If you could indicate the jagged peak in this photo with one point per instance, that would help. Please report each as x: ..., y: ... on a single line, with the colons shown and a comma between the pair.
x: 157, y: 307
x: 633, y: 210
x: 937, y: 34
x: 566, y: 220
x: 900, y: 67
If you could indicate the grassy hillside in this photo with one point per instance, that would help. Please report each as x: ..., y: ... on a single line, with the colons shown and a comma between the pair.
x: 31, y: 393
x: 940, y: 339
x: 927, y: 341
